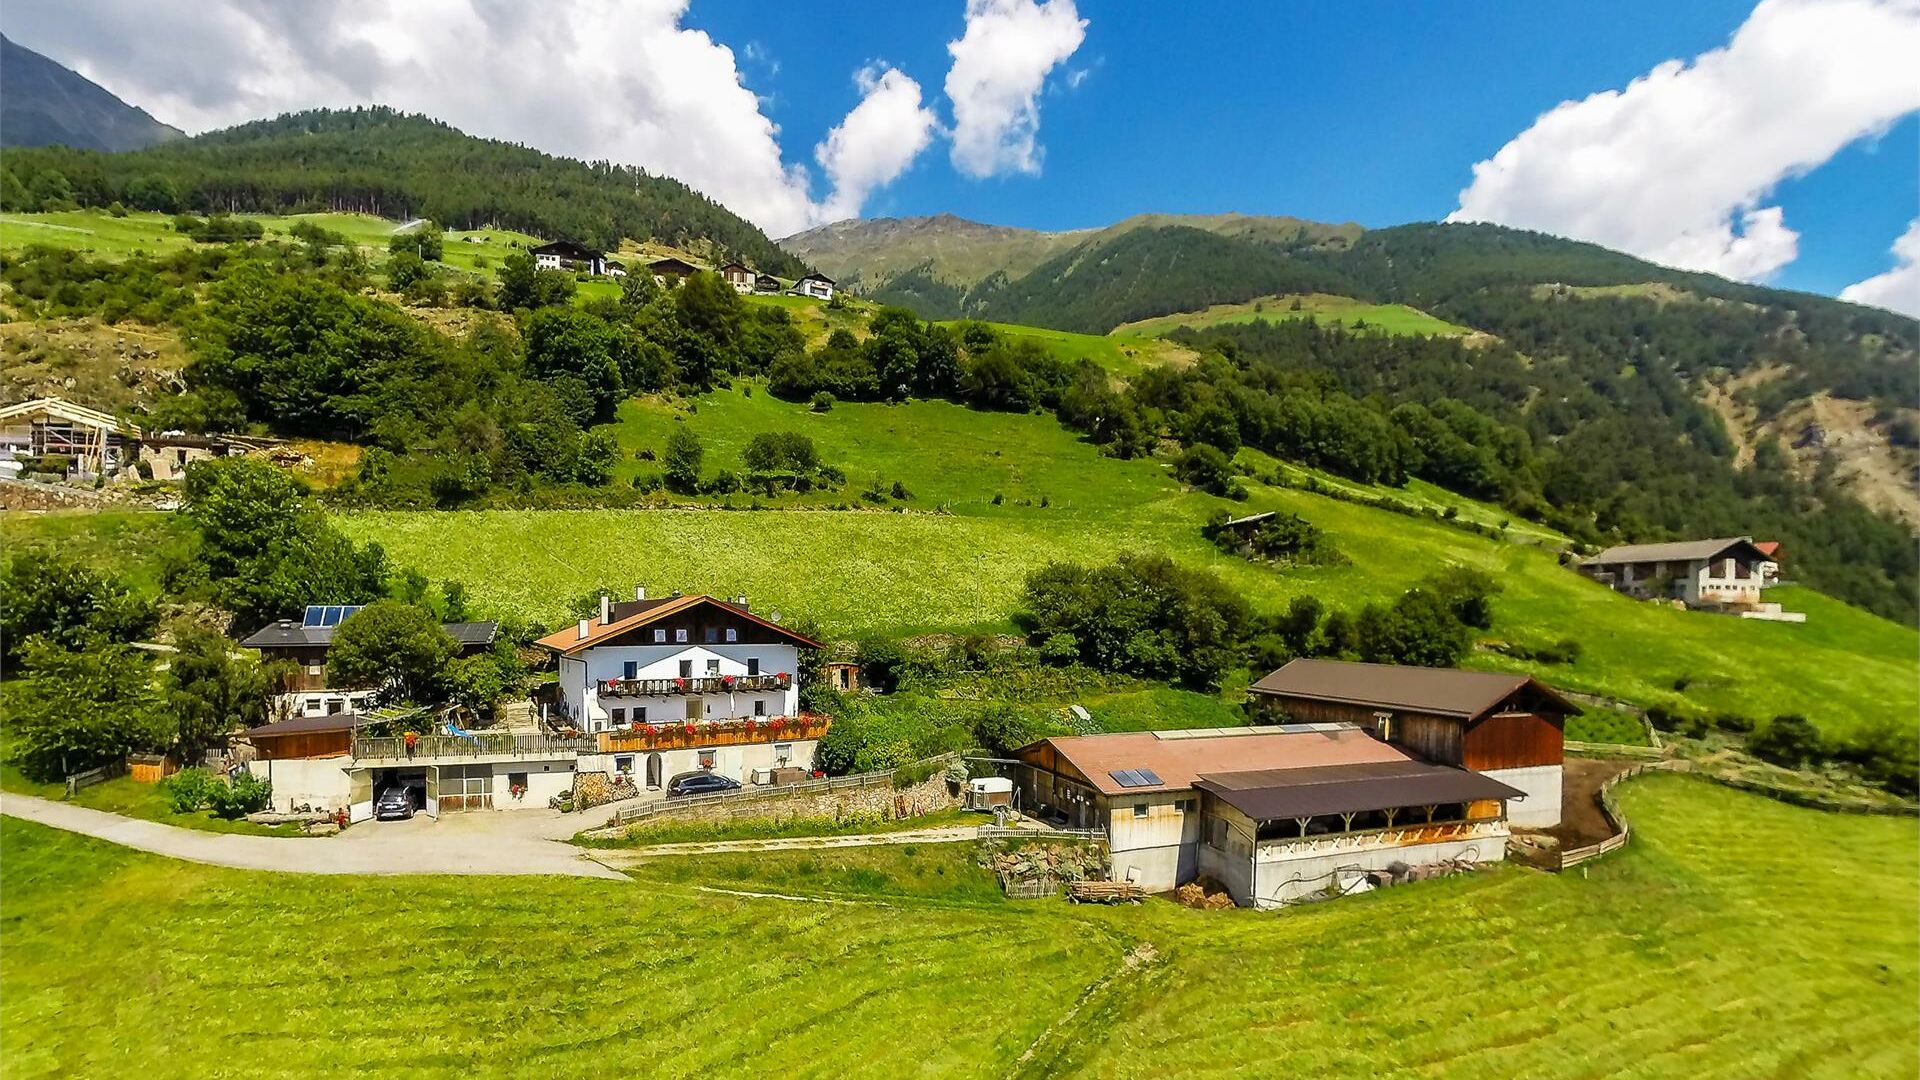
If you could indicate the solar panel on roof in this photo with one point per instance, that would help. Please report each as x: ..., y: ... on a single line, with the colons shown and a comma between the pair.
x: 1133, y: 778
x: 313, y: 615
x: 1148, y: 776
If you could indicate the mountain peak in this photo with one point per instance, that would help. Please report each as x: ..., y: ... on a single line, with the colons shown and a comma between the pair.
x: 44, y: 103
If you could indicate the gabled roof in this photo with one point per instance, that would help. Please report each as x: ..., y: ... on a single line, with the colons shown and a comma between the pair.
x: 1439, y: 691
x: 673, y: 266
x: 567, y: 249
x: 62, y: 409
x: 1769, y: 548
x: 1178, y: 758
x: 1272, y: 795
x: 1675, y: 551
x: 567, y: 641
x: 732, y: 266
x: 303, y: 725
x: 815, y: 276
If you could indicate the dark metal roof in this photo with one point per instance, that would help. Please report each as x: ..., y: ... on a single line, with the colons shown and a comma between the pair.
x: 1676, y: 551
x: 287, y: 634
x: 567, y: 249
x: 1274, y: 794
x: 304, y: 725
x: 1440, y: 691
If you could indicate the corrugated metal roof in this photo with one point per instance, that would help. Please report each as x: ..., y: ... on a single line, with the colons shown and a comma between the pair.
x: 1677, y: 550
x: 1277, y: 794
x: 287, y: 634
x: 1441, y: 691
x: 1178, y: 762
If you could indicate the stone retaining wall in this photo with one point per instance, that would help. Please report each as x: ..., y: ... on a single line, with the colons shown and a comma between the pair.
x: 882, y: 800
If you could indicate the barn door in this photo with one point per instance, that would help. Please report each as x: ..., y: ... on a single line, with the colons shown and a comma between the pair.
x: 360, y: 795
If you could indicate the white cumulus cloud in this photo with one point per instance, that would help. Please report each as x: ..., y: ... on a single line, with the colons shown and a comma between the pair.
x: 876, y: 142
x: 1899, y: 288
x: 1000, y: 64
x: 616, y: 80
x: 1678, y: 166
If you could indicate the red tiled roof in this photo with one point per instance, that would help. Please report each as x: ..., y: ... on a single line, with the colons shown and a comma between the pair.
x: 567, y: 641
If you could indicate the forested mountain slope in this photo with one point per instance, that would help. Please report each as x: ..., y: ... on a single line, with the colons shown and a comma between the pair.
x: 43, y: 103
x: 400, y: 166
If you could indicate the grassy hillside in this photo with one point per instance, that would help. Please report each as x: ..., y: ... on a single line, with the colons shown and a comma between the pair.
x: 1716, y: 946
x: 903, y: 567
x: 1391, y: 318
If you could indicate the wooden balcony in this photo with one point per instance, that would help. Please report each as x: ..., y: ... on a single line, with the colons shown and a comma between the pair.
x: 714, y: 684
x: 642, y: 738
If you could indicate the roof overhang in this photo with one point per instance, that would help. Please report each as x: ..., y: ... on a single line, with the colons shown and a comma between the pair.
x: 1286, y: 794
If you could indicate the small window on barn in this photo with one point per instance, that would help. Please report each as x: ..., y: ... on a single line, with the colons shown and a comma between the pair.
x: 660, y: 635
x: 732, y: 635
x: 1139, y: 809
x: 680, y: 636
x: 1183, y: 806
x: 713, y: 634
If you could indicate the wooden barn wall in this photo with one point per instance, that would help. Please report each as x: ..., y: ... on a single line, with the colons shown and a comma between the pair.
x: 1432, y: 737
x: 1514, y: 741
x: 312, y: 744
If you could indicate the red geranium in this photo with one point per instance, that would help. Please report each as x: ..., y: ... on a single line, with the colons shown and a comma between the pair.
x: 690, y: 728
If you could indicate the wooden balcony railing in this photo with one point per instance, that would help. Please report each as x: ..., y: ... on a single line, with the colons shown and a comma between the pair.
x: 641, y: 738
x: 479, y: 744
x: 712, y: 684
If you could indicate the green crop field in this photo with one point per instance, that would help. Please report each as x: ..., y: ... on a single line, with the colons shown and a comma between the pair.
x: 99, y: 233
x: 1721, y: 943
x: 902, y: 568
x: 1344, y: 310
x: 1122, y: 353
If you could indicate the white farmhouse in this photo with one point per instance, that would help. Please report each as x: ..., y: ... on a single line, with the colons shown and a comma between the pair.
x: 1725, y: 572
x: 685, y: 683
x: 818, y: 286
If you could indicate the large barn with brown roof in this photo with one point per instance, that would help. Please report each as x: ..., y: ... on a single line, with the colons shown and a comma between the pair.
x: 1274, y: 813
x: 1510, y: 727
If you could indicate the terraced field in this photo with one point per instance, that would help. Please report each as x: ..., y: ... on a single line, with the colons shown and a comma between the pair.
x: 1344, y: 310
x: 1720, y: 944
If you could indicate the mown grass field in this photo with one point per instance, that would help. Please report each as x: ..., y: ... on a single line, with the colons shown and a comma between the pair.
x: 1720, y: 944
x: 899, y: 568
x: 1343, y: 310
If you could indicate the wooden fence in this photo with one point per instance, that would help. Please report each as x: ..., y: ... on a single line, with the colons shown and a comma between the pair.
x: 1611, y: 810
x: 94, y: 776
x: 657, y: 807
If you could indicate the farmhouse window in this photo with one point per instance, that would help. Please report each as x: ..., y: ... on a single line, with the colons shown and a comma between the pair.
x: 619, y: 716
x: 713, y: 634
x: 753, y: 665
x: 759, y: 706
x: 640, y: 715
x: 1183, y: 806
x: 686, y: 669
x: 680, y: 636
x: 630, y: 669
x: 659, y: 635
x: 1139, y: 809
x: 313, y: 669
x: 713, y: 667
x: 706, y: 759
x: 623, y: 763
x: 732, y: 635
x: 782, y: 752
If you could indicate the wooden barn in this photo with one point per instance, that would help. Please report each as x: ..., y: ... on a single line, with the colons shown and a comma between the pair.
x: 1510, y: 727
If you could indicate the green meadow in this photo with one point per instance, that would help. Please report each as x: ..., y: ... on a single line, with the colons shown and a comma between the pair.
x: 950, y: 559
x: 1719, y: 944
x: 1343, y: 310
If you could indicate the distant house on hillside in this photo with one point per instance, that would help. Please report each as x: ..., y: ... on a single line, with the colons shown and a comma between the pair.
x: 818, y: 286
x: 1769, y: 570
x: 765, y: 284
x: 670, y: 269
x: 1727, y: 574
x: 53, y: 434
x: 567, y: 255
x: 1509, y: 727
x: 738, y: 275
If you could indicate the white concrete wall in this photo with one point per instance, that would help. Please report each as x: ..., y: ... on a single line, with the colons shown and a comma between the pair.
x: 1278, y: 880
x: 580, y: 675
x: 324, y: 782
x: 737, y: 762
x: 545, y: 779
x: 1541, y: 808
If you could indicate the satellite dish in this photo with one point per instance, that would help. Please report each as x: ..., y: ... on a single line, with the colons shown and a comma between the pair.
x: 1080, y: 713
x: 775, y: 616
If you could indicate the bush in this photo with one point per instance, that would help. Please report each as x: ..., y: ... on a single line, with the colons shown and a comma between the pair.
x: 881, y: 662
x: 1141, y: 615
x: 1790, y: 740
x: 1061, y: 648
x: 1467, y: 592
x: 190, y: 789
x: 244, y: 794
x: 1001, y: 730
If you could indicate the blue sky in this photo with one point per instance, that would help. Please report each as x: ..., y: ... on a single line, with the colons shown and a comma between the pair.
x: 1767, y: 140
x: 1365, y: 111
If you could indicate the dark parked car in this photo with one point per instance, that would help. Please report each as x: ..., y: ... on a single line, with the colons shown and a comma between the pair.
x: 393, y: 803
x: 700, y: 783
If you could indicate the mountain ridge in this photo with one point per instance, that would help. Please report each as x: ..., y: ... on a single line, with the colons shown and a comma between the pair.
x: 45, y: 103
